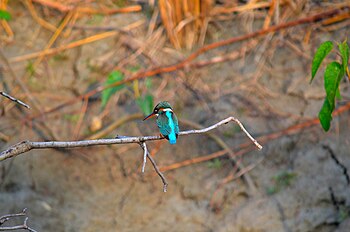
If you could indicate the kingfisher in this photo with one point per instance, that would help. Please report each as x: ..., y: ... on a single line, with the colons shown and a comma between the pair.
x: 166, y: 121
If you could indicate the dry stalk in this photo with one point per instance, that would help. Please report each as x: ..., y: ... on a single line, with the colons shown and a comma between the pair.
x: 184, y: 21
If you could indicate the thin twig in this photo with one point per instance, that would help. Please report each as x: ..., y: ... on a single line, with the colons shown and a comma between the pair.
x: 160, y: 174
x: 26, y: 146
x: 88, y: 10
x: 244, y: 147
x: 7, y: 217
x: 14, y: 99
x: 225, y: 121
x: 145, y: 151
x: 187, y: 62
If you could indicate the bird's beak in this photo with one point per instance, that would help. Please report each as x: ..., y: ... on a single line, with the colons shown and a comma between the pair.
x: 149, y: 116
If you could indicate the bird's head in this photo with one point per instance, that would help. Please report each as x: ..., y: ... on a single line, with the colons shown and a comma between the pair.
x: 159, y: 108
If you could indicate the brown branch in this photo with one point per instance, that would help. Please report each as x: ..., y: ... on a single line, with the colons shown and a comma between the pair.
x: 7, y: 217
x: 187, y: 62
x: 64, y: 8
x: 26, y: 146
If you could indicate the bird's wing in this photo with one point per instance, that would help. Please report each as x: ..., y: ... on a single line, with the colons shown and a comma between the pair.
x: 176, y: 122
x: 163, y: 125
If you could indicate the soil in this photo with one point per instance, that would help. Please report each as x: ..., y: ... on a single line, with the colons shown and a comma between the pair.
x: 299, y: 181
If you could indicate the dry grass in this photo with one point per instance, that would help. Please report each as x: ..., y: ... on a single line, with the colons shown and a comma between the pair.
x: 185, y: 21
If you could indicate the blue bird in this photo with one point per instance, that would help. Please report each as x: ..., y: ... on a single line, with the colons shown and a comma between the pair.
x: 166, y: 121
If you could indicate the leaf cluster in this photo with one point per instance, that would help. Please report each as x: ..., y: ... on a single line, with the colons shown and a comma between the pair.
x: 333, y: 74
x: 144, y: 102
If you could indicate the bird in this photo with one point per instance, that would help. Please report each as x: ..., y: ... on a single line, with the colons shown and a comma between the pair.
x: 166, y: 121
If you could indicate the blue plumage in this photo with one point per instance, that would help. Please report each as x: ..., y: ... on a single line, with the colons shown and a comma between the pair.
x: 172, y: 135
x: 166, y: 121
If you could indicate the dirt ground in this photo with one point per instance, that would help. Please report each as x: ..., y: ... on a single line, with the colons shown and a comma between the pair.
x: 297, y: 182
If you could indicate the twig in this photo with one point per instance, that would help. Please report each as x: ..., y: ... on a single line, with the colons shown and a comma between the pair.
x: 186, y: 62
x: 225, y: 121
x: 231, y: 154
x: 64, y: 8
x: 14, y: 99
x: 231, y: 177
x: 61, y: 48
x: 145, y: 151
x: 244, y: 147
x: 76, y: 43
x: 193, y: 161
x: 26, y: 146
x: 160, y: 174
x: 109, y: 129
x: 7, y: 217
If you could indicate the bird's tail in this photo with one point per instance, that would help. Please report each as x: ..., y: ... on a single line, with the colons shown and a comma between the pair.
x: 172, y: 138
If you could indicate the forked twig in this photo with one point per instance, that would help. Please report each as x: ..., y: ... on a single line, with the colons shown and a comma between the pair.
x: 26, y: 146
x: 7, y: 217
x: 145, y: 152
x: 160, y: 174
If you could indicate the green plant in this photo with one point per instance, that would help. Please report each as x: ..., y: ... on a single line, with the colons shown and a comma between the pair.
x: 343, y: 213
x: 216, y: 164
x: 145, y: 102
x: 113, y: 77
x: 333, y: 74
x: 71, y: 117
x: 281, y: 180
x: 5, y: 15
x: 30, y: 68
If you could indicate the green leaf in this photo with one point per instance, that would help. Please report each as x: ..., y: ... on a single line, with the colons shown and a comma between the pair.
x: 337, y: 95
x: 332, y: 77
x: 112, y: 78
x: 320, y: 54
x: 344, y: 51
x: 148, y: 83
x: 145, y: 104
x: 134, y: 69
x: 325, y: 115
x: 216, y: 163
x: 5, y: 15
x: 271, y: 190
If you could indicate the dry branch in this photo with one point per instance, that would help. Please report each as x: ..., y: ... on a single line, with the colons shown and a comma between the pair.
x: 14, y: 99
x: 244, y: 147
x: 88, y: 10
x: 7, y: 217
x: 187, y: 62
x: 26, y: 146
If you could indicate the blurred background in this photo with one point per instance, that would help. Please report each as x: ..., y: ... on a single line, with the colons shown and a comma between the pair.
x: 205, y: 59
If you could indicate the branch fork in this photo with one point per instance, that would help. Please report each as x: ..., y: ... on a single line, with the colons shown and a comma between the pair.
x: 7, y: 217
x: 26, y: 146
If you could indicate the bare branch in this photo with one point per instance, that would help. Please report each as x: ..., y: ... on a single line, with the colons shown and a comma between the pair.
x: 145, y: 151
x: 225, y: 121
x: 6, y: 218
x: 26, y: 146
x: 14, y: 99
x: 160, y: 174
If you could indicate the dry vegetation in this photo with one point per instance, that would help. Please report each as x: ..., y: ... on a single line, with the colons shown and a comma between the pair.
x: 211, y: 59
